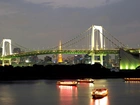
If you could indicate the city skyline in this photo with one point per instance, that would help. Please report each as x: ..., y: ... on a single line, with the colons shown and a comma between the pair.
x: 42, y: 23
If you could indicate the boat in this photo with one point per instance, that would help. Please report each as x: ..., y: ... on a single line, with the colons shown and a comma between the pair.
x: 132, y: 79
x: 99, y: 93
x: 67, y: 83
x: 85, y: 80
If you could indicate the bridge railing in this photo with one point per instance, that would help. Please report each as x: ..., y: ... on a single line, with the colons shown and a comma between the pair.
x: 73, y: 51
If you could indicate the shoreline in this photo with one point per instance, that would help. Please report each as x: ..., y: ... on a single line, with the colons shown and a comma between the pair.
x: 63, y: 72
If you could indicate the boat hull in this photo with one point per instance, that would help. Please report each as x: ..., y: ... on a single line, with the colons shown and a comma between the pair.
x: 86, y: 81
x: 89, y: 80
x: 97, y: 96
x: 131, y: 79
x: 67, y: 83
x: 99, y: 93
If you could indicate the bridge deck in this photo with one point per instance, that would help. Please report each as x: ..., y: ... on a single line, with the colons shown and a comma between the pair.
x: 74, y: 51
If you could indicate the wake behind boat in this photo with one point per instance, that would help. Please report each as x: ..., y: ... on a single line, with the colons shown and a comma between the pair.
x: 67, y: 83
x: 85, y: 80
x: 99, y: 93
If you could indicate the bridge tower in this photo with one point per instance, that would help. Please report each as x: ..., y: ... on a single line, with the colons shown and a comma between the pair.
x: 97, y: 44
x: 6, y: 50
x: 60, y: 60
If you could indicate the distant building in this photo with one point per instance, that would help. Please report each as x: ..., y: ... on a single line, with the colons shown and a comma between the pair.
x: 70, y: 59
x: 78, y: 59
x: 87, y: 59
x: 34, y: 58
x: 107, y: 61
x: 47, y: 59
x: 17, y: 50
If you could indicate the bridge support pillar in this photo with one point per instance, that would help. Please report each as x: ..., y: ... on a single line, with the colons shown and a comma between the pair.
x: 100, y: 44
x: 100, y: 60
x: 2, y: 62
x: 93, y: 38
x: 92, y: 58
x: 6, y: 61
x: 6, y: 50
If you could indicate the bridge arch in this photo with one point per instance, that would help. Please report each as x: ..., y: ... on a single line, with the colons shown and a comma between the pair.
x: 5, y: 52
x: 94, y: 46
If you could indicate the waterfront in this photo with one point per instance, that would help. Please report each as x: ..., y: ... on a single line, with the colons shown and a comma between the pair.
x: 46, y: 92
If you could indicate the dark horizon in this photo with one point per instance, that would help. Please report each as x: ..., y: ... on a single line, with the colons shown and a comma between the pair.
x: 63, y: 72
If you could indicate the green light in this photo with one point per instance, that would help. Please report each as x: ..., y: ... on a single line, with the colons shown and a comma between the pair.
x: 128, y: 61
x: 129, y: 66
x: 126, y: 67
x: 132, y: 67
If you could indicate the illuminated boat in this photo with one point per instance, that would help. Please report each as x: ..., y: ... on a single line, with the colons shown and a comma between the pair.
x: 99, y: 93
x: 85, y: 80
x: 67, y: 83
x: 132, y: 79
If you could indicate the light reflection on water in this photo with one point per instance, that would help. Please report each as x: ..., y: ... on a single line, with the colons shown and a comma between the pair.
x: 102, y: 101
x: 67, y: 94
x: 132, y: 81
x: 69, y: 90
x: 6, y: 97
x: 46, y: 92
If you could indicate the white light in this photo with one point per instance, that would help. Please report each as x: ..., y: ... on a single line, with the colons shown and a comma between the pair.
x: 27, y: 61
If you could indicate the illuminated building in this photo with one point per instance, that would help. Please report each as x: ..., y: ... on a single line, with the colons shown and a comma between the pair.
x: 78, y: 59
x: 128, y: 60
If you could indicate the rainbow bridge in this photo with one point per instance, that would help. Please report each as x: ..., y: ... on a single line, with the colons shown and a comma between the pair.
x: 98, y: 43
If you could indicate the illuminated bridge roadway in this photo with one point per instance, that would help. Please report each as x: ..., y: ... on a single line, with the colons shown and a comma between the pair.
x: 74, y: 51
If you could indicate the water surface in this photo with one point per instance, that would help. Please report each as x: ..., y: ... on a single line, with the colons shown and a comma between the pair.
x: 46, y: 92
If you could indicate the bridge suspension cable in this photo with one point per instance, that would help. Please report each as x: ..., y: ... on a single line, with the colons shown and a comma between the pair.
x: 85, y: 34
x: 1, y: 44
x: 123, y: 45
x: 88, y: 32
x: 113, y: 42
x: 74, y: 40
x: 17, y: 45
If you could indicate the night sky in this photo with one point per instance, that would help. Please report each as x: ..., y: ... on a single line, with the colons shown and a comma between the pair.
x: 42, y: 23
